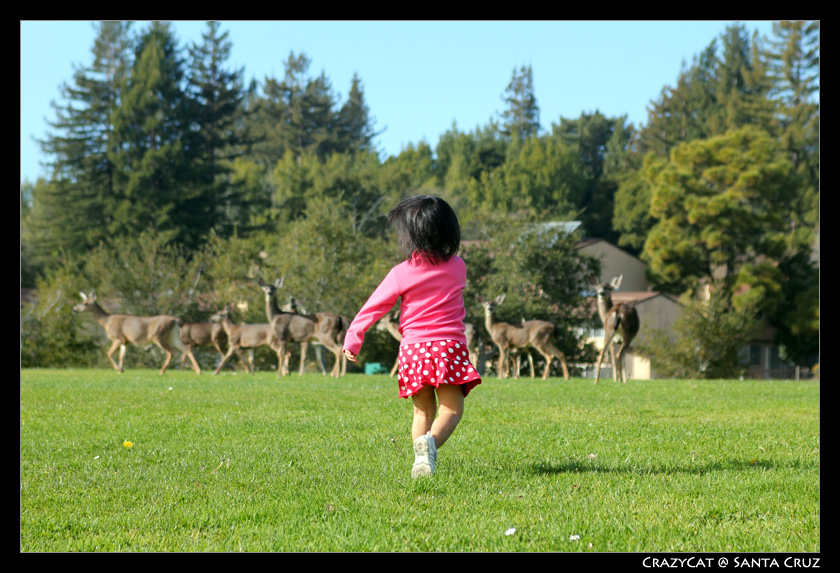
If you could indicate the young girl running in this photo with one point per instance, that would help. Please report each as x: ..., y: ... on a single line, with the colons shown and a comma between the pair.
x: 434, y: 361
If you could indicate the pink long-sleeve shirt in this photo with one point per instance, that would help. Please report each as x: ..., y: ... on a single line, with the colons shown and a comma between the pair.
x: 431, y: 305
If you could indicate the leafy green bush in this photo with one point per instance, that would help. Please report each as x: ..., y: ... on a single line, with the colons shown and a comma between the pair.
x: 51, y: 336
x: 706, y: 340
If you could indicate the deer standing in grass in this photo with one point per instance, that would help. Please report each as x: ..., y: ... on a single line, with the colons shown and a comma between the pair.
x: 537, y: 334
x: 293, y: 306
x: 326, y: 328
x: 202, y: 334
x: 125, y: 329
x: 619, y: 319
x: 248, y: 336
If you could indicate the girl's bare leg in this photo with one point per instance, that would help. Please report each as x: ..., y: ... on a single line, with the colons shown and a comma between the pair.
x: 450, y: 411
x: 425, y: 407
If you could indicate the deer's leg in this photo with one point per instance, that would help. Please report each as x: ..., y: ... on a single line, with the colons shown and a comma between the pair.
x: 191, y: 356
x: 622, y: 364
x: 607, y: 342
x: 502, y: 361
x: 531, y: 362
x: 166, y: 361
x: 336, y: 371
x: 557, y: 353
x: 231, y: 350
x: 304, y: 346
x: 547, y: 356
x: 319, y: 355
x: 251, y: 363
x: 114, y: 346
x: 612, y: 358
x: 514, y: 358
x: 281, y: 358
x: 563, y: 365
x: 122, y: 356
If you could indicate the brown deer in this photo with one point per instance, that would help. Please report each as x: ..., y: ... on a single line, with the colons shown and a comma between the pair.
x: 537, y: 334
x: 248, y: 336
x: 326, y: 328
x: 195, y: 334
x: 125, y: 329
x: 619, y: 319
x: 292, y: 305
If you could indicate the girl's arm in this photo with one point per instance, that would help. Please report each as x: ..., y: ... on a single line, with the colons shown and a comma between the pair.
x: 381, y: 301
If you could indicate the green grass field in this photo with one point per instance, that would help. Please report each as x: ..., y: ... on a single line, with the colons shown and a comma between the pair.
x: 241, y: 462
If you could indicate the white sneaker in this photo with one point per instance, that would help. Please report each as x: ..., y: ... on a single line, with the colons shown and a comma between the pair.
x: 425, y: 454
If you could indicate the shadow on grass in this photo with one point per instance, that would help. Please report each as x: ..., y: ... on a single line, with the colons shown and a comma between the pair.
x: 698, y: 468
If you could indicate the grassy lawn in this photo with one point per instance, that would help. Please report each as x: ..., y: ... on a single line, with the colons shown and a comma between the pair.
x: 241, y: 462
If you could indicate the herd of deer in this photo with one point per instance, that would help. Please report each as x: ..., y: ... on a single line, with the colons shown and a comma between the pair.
x: 292, y: 325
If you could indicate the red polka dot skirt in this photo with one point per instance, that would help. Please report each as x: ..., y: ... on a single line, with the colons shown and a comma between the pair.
x: 433, y: 364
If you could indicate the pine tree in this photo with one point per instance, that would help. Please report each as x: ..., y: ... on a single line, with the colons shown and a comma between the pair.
x: 521, y: 117
x: 72, y: 210
x: 686, y: 111
x: 595, y: 137
x: 151, y: 125
x: 355, y: 125
x: 793, y: 58
x: 218, y: 136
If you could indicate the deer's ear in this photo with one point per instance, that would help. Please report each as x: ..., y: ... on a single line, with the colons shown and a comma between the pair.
x: 616, y: 282
x: 92, y: 295
x: 84, y: 296
x: 279, y: 282
x: 500, y: 299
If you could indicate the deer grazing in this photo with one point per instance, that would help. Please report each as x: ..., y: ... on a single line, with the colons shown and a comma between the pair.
x: 326, y: 328
x: 125, y: 329
x: 537, y: 334
x: 248, y: 336
x: 195, y: 334
x: 619, y: 319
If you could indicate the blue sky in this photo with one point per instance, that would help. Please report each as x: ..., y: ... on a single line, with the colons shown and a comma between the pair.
x: 418, y: 76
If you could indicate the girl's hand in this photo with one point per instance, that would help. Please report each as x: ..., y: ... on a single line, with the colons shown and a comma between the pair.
x: 350, y: 356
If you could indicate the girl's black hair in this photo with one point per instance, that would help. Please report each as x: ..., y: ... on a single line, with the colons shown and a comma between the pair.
x: 428, y: 226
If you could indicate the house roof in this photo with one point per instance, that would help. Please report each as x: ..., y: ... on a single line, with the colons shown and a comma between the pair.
x: 589, y: 242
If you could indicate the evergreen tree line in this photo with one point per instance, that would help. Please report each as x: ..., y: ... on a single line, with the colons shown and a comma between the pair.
x: 158, y: 142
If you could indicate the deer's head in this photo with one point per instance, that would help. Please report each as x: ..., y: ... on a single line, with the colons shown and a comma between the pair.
x: 270, y: 289
x: 88, y: 300
x: 490, y: 305
x: 388, y: 319
x: 604, y: 290
x: 221, y: 315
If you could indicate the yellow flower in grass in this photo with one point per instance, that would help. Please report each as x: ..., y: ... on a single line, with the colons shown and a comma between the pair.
x: 128, y: 444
